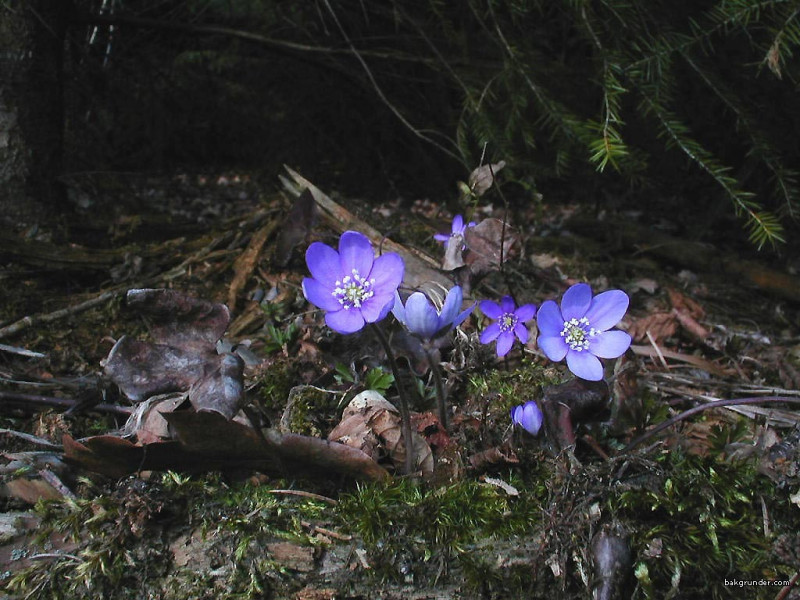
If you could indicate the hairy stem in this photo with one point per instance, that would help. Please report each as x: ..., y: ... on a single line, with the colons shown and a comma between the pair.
x: 405, y: 415
x: 438, y: 382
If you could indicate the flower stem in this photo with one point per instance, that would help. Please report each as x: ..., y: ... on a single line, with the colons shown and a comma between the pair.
x: 440, y: 393
x: 405, y: 415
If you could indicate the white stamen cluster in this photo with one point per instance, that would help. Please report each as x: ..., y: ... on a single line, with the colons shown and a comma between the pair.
x: 577, y: 333
x: 352, y: 290
x: 507, y: 321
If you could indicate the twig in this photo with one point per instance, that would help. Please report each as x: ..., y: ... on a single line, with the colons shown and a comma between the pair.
x: 21, y: 351
x: 120, y: 290
x: 27, y: 401
x: 29, y: 438
x: 57, y: 484
x: 395, y: 111
x: 328, y: 532
x: 657, y: 349
x: 304, y: 494
x: 697, y: 409
x: 30, y: 321
x: 784, y: 593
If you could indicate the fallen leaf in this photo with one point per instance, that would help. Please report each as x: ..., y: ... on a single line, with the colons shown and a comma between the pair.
x: 207, y: 441
x: 373, y: 424
x: 178, y: 319
x: 143, y: 369
x: 489, y: 244
x: 661, y: 325
x: 482, y: 178
x: 221, y: 389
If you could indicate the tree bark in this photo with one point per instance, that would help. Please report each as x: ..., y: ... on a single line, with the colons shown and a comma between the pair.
x: 32, y: 35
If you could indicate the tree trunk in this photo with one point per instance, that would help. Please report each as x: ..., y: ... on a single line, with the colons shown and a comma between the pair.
x: 32, y: 34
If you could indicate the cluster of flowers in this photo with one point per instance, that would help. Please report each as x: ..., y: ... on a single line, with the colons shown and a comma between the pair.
x: 355, y: 288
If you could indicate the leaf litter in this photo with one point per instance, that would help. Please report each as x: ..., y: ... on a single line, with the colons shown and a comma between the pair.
x: 189, y: 399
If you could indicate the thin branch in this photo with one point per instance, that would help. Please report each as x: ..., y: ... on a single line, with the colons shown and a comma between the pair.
x: 698, y: 409
x: 33, y: 401
x: 382, y: 96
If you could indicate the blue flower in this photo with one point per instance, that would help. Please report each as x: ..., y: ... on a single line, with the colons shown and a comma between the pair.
x: 579, y: 329
x: 457, y: 230
x: 509, y: 323
x: 422, y: 319
x: 528, y: 416
x: 351, y: 285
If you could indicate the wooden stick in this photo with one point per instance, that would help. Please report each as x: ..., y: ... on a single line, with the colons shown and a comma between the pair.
x: 32, y: 401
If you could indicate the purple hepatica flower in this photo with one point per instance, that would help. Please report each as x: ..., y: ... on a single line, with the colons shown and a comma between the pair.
x: 458, y: 229
x: 528, y: 416
x: 422, y: 319
x: 352, y: 285
x: 579, y: 329
x: 508, y: 323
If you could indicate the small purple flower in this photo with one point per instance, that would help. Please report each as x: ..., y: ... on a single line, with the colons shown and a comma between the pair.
x: 579, y: 329
x: 508, y: 323
x: 528, y: 416
x: 422, y: 319
x: 352, y: 285
x: 458, y: 229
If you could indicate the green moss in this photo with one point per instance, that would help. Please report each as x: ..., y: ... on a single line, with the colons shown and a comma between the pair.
x: 698, y: 522
x: 405, y: 525
x: 122, y: 552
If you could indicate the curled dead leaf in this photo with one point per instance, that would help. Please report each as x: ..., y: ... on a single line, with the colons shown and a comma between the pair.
x: 489, y: 244
x: 482, y: 178
x: 373, y: 425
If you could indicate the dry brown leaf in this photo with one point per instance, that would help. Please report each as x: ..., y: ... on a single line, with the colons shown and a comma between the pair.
x: 686, y: 305
x: 490, y: 243
x: 482, y: 178
x: 661, y: 325
x: 372, y: 424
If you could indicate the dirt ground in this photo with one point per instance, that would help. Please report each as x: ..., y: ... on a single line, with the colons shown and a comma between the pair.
x: 680, y: 478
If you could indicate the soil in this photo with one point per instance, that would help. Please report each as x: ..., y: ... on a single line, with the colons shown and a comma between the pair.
x: 654, y: 486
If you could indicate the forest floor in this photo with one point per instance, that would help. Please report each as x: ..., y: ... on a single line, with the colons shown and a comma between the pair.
x: 680, y: 480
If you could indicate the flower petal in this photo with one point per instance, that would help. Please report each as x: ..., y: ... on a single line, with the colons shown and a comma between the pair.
x: 319, y: 295
x: 576, y: 301
x: 376, y: 308
x: 421, y: 317
x: 490, y: 333
x: 463, y: 316
x: 507, y: 304
x: 607, y: 309
x: 345, y: 321
x: 441, y: 237
x: 610, y: 344
x: 355, y: 252
x: 398, y: 310
x: 387, y: 271
x: 521, y: 332
x: 504, y: 342
x: 458, y: 224
x: 531, y: 418
x: 323, y: 262
x: 525, y: 312
x: 451, y: 306
x: 491, y: 309
x: 553, y: 347
x: 585, y: 365
x: 549, y: 320
x: 516, y: 415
